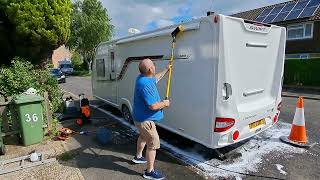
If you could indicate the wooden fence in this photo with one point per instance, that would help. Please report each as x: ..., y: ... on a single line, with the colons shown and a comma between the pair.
x: 10, y: 121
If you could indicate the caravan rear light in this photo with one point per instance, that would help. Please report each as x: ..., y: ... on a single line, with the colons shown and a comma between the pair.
x: 275, y: 118
x: 223, y: 124
x: 279, y: 106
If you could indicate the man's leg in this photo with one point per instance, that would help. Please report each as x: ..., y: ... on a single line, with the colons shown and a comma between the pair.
x: 151, y: 156
x: 141, y: 143
x: 152, y: 146
x: 150, y: 134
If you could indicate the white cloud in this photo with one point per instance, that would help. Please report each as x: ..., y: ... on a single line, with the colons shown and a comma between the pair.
x: 157, y: 10
x: 139, y: 13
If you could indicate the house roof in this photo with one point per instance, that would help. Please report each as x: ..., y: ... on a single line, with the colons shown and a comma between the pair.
x: 254, y: 13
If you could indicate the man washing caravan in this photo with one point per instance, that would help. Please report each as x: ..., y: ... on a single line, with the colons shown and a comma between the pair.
x: 148, y: 108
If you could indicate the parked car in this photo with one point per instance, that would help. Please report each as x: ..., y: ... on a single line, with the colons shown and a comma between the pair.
x: 66, y: 67
x: 56, y: 73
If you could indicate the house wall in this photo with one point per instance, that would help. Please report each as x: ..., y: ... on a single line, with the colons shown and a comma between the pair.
x: 60, y: 54
x: 305, y: 45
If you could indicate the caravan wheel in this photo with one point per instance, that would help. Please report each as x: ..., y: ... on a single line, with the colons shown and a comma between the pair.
x: 127, y: 114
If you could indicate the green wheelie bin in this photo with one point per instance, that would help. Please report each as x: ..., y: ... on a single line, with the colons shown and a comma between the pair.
x: 29, y: 110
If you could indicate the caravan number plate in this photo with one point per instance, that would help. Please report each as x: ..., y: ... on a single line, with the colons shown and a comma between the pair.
x: 257, y: 123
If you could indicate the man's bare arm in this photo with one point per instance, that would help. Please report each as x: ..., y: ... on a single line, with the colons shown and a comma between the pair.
x: 160, y: 105
x: 161, y: 74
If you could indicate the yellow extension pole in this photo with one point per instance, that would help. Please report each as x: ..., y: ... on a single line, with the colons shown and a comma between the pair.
x: 174, y: 34
x: 170, y: 69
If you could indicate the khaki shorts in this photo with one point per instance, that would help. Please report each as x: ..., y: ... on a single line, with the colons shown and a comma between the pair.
x: 148, y: 133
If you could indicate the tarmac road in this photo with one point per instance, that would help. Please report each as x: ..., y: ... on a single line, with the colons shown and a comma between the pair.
x: 78, y: 85
x: 299, y: 166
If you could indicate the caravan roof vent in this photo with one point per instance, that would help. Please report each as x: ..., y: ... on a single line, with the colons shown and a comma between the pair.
x: 209, y: 13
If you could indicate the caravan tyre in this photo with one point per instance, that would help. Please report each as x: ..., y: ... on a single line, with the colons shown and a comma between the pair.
x: 127, y: 114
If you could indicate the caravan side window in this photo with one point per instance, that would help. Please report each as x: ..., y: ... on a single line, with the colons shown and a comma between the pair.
x: 112, y: 61
x: 100, y: 67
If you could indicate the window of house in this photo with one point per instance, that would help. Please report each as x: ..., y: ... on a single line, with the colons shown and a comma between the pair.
x: 100, y: 67
x: 300, y: 31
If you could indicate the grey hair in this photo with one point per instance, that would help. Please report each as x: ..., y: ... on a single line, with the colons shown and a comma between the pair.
x: 144, y: 66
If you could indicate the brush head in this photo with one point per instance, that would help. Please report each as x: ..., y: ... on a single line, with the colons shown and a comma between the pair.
x: 177, y: 31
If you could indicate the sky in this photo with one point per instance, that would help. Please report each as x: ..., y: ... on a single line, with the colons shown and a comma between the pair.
x: 146, y: 15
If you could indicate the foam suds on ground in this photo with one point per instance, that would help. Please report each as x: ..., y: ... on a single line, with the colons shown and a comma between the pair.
x: 280, y: 168
x: 253, y: 153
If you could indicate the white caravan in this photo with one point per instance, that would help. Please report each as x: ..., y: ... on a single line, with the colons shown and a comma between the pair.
x: 226, y: 83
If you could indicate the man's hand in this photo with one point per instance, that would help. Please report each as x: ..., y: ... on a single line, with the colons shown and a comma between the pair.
x: 169, y: 65
x: 166, y: 103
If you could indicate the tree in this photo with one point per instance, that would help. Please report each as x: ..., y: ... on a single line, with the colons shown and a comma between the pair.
x: 76, y: 60
x: 32, y: 29
x: 90, y: 26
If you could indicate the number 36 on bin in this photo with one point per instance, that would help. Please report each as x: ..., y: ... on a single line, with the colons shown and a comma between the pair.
x: 32, y: 117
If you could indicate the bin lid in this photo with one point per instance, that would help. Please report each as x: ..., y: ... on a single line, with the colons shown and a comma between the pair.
x: 24, y: 98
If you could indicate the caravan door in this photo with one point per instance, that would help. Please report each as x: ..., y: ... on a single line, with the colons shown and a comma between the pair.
x: 113, y: 96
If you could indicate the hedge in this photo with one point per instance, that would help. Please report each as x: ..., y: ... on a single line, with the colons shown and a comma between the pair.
x: 302, y: 72
x: 22, y: 75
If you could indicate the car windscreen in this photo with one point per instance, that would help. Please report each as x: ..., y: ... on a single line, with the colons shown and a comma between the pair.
x: 55, y: 71
x: 65, y: 66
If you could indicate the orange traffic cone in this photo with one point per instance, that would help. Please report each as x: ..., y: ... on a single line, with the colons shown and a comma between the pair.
x: 298, y: 134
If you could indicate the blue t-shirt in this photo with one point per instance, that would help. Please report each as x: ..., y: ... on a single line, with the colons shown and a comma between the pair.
x: 145, y: 95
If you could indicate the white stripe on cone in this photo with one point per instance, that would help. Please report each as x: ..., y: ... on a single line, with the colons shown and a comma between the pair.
x: 298, y: 119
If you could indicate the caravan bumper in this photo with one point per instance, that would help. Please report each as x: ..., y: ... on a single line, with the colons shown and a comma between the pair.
x: 238, y: 134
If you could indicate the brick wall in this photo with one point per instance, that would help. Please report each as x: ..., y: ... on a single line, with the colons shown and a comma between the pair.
x: 60, y: 54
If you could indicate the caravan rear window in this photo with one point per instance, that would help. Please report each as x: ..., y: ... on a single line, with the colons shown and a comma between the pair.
x: 100, y: 67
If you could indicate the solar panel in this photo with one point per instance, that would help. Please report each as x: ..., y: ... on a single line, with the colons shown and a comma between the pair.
x: 273, y: 14
x: 281, y: 17
x: 313, y: 3
x: 288, y: 7
x: 294, y: 14
x: 276, y: 10
x: 310, y: 9
x: 269, y: 18
x: 266, y: 12
x: 284, y: 12
x: 307, y: 12
x: 260, y: 19
x: 301, y: 5
x: 298, y: 9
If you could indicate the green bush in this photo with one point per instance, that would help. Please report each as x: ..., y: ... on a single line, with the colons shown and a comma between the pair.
x: 50, y: 66
x: 302, y: 72
x: 76, y: 61
x: 21, y: 75
x: 81, y: 73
